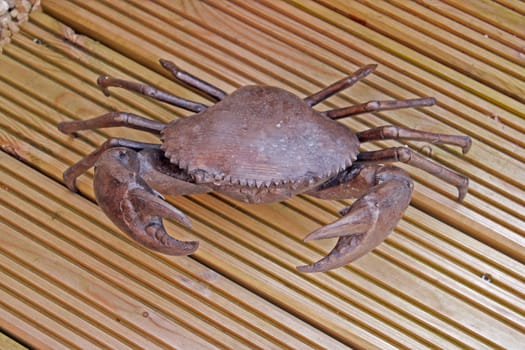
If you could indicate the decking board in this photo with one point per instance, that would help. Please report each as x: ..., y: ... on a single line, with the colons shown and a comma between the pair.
x: 450, y: 276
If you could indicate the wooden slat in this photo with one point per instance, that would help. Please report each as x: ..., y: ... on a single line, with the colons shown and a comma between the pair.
x: 420, y: 36
x: 453, y: 33
x: 440, y: 43
x: 495, y: 14
x: 477, y: 24
x: 451, y: 275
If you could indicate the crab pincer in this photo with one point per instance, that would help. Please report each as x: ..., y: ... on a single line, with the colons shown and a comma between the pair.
x: 134, y: 206
x: 368, y: 221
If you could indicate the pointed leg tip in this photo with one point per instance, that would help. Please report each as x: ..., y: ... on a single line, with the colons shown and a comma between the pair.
x: 195, y: 246
x: 366, y: 70
x: 63, y: 127
x: 468, y: 144
x: 72, y: 187
x: 101, y: 82
x: 168, y: 65
x: 70, y: 181
x: 102, y: 79
x: 371, y: 67
x: 462, y: 191
x: 432, y: 101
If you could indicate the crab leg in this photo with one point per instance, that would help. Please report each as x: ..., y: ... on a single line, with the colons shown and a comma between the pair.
x: 112, y: 119
x: 77, y: 169
x: 392, y: 132
x: 408, y: 156
x: 134, y: 206
x: 105, y: 81
x: 193, y: 81
x: 377, y: 106
x: 369, y: 220
x: 340, y: 85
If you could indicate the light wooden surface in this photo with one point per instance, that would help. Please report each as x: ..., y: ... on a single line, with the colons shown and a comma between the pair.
x: 7, y: 343
x: 450, y: 276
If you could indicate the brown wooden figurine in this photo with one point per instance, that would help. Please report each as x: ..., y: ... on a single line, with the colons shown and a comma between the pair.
x: 260, y: 144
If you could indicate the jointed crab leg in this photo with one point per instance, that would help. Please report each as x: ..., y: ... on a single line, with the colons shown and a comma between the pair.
x: 77, y: 169
x: 340, y: 85
x: 193, y: 81
x: 408, y: 156
x: 392, y: 132
x: 113, y: 119
x: 105, y: 81
x: 377, y: 106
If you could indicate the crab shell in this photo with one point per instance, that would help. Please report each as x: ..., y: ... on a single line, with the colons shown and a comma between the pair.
x: 260, y: 137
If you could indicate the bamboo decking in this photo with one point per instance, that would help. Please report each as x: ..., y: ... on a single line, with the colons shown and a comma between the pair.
x: 451, y: 275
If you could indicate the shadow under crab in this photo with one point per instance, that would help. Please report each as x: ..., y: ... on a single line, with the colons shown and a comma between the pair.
x: 260, y: 144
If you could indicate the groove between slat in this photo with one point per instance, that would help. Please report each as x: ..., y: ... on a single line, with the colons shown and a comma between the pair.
x: 488, y: 11
x: 71, y: 302
x: 275, y: 218
x: 513, y: 5
x: 92, y: 335
x: 441, y: 39
x: 331, y: 63
x: 257, y: 22
x: 126, y: 316
x: 431, y: 267
x: 25, y: 328
x: 463, y: 31
x: 43, y: 322
x: 474, y: 23
x: 419, y: 42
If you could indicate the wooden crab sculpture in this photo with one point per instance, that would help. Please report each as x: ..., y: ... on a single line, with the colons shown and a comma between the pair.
x: 260, y: 144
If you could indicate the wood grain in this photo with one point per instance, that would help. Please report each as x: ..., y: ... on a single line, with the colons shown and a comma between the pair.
x: 452, y: 275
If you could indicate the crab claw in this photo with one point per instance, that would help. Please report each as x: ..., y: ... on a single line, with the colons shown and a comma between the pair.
x: 365, y: 224
x: 135, y: 207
